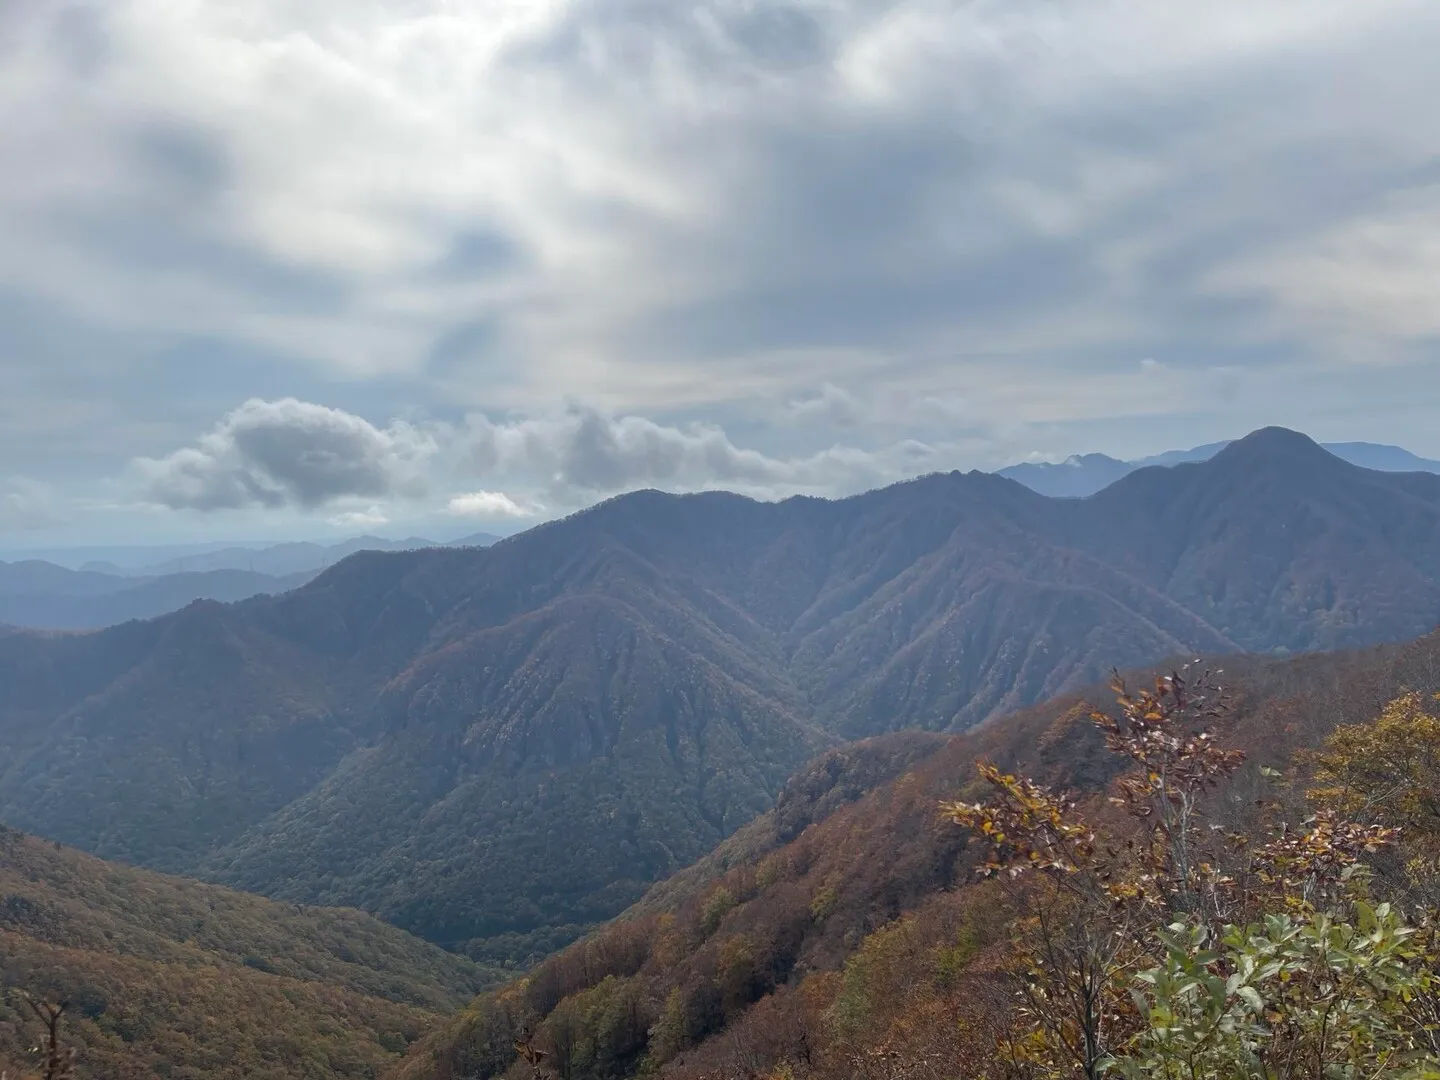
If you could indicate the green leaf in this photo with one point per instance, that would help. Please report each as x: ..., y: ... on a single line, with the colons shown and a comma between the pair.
x: 1252, y: 998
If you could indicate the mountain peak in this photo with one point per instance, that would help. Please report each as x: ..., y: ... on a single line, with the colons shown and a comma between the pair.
x: 1275, y: 443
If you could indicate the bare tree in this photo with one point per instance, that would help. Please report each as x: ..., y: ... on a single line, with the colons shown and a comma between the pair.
x: 59, y: 1061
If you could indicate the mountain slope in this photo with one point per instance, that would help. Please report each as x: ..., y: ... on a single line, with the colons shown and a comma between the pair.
x: 1082, y: 475
x: 1277, y: 543
x: 188, y: 979
x: 150, y: 741
x: 735, y: 967
x: 605, y: 757
x: 511, y: 742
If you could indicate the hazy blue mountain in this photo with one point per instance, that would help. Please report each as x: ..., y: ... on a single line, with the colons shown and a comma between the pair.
x: 266, y: 557
x: 278, y: 559
x: 89, y: 606
x: 303, y: 557
x: 1082, y: 475
x: 37, y: 577
x: 1181, y: 457
x: 121, y: 559
x: 44, y: 596
x: 1382, y: 458
x: 1075, y: 477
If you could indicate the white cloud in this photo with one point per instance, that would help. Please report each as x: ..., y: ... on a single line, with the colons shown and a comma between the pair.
x: 490, y: 504
x: 961, y: 220
x: 290, y: 453
x: 369, y: 518
x: 639, y: 161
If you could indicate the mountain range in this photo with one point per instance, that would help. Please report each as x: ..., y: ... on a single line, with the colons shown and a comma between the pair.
x: 1084, y: 474
x: 497, y: 747
x: 279, y: 560
x: 45, y: 596
x: 268, y: 557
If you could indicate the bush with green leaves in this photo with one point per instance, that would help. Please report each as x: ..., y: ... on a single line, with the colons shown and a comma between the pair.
x: 1293, y: 996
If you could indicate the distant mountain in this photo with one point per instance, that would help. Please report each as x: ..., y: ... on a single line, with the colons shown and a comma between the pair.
x: 170, y: 977
x: 1382, y: 458
x: 44, y: 596
x: 1182, y: 457
x: 36, y: 577
x: 1082, y: 475
x: 505, y: 744
x: 268, y: 558
x: 281, y: 559
x: 78, y: 604
x: 1075, y: 477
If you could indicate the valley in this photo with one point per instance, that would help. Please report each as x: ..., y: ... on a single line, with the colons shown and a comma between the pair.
x: 496, y: 748
x: 819, y: 950
x: 733, y: 540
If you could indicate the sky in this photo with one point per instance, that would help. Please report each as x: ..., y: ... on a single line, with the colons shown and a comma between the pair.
x: 317, y: 267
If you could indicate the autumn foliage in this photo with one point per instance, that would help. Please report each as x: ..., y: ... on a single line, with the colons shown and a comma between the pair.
x: 1045, y: 915
x: 1196, y: 880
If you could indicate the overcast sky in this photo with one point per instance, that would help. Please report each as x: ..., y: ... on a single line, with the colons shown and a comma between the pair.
x: 306, y: 267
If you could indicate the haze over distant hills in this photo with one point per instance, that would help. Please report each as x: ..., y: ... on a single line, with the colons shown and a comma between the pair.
x: 477, y: 743
x: 1084, y: 474
x: 298, y: 557
x: 46, y: 596
x: 262, y: 557
x: 88, y: 601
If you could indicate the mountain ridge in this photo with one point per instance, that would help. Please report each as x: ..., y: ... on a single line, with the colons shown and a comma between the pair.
x: 46, y: 596
x: 1083, y: 475
x: 428, y: 734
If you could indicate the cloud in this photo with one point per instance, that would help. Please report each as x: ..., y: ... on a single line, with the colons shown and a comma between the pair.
x: 290, y: 453
x: 490, y: 504
x: 832, y: 405
x: 584, y: 452
x: 28, y: 504
x: 629, y: 195
x: 1372, y: 279
x: 692, y: 216
x: 369, y: 518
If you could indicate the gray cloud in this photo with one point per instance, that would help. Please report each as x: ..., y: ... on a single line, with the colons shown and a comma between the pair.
x: 831, y: 405
x: 290, y: 453
x: 27, y: 504
x: 695, y: 215
x: 584, y: 452
x: 618, y: 187
x: 79, y: 38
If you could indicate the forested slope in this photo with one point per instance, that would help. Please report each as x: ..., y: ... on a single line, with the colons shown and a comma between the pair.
x: 165, y: 976
x: 513, y: 742
x: 816, y: 949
